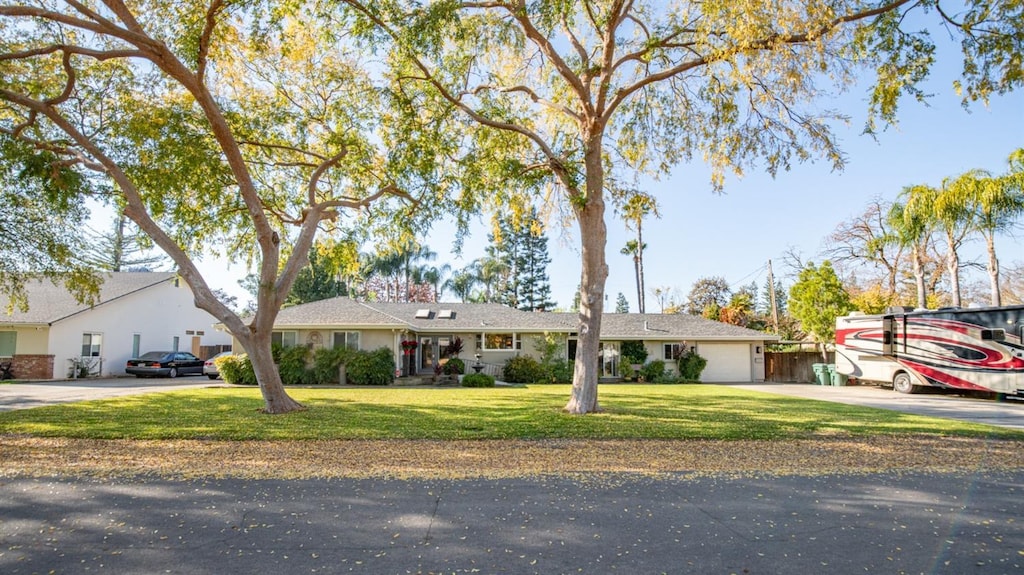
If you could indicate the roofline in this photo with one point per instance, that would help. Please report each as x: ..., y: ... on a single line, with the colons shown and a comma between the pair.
x: 125, y: 294
x: 15, y: 324
x: 604, y: 336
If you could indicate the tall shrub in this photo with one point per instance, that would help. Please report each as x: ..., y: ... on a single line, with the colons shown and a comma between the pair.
x: 691, y: 365
x: 371, y: 367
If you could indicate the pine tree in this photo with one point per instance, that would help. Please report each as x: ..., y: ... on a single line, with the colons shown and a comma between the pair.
x: 523, y: 254
x: 621, y: 304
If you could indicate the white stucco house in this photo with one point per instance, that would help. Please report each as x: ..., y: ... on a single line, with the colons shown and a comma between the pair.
x: 497, y: 332
x: 136, y: 312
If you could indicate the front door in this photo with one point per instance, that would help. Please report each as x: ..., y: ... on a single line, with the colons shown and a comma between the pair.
x: 428, y: 354
x: 609, y: 359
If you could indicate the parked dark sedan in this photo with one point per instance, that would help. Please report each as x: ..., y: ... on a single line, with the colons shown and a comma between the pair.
x: 164, y: 364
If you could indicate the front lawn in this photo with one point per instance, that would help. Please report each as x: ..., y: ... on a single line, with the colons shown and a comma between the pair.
x: 630, y: 412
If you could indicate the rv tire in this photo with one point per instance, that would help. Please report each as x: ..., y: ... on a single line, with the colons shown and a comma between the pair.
x: 903, y: 384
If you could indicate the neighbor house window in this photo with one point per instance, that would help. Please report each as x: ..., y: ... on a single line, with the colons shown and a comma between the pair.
x: 8, y: 342
x: 91, y: 344
x: 136, y: 344
x: 175, y: 342
x: 500, y: 341
x: 346, y: 339
x: 284, y: 338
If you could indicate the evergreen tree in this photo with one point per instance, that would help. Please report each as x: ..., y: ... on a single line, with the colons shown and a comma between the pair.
x: 621, y: 304
x: 524, y: 259
x: 316, y: 281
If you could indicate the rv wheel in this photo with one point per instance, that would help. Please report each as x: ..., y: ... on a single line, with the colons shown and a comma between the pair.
x: 903, y: 384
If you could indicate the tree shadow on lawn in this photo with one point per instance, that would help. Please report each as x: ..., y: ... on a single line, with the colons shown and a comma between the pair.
x: 647, y: 412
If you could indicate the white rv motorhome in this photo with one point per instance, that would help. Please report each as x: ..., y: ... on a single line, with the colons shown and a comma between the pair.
x: 971, y: 349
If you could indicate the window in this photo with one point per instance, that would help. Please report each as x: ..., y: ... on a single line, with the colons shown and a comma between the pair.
x: 501, y: 341
x: 8, y: 343
x: 175, y: 342
x: 346, y: 339
x: 673, y: 351
x: 284, y: 338
x: 136, y: 344
x: 993, y: 335
x: 91, y: 344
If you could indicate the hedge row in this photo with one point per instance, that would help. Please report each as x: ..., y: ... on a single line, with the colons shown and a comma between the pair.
x: 301, y: 366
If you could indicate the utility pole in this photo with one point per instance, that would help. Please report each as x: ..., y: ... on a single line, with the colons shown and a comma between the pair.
x: 771, y: 298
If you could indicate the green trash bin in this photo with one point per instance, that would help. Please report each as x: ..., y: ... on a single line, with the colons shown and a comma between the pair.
x: 838, y: 379
x: 820, y: 373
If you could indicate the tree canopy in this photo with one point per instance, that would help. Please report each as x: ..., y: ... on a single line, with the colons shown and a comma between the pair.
x: 246, y: 127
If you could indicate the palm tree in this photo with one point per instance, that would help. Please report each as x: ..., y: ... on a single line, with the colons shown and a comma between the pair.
x: 945, y: 209
x: 435, y: 276
x: 997, y: 204
x: 637, y: 207
x: 462, y: 283
x: 490, y: 272
x: 910, y: 230
x: 637, y: 254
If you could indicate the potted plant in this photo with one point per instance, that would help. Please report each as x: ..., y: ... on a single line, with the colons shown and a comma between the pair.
x: 454, y: 348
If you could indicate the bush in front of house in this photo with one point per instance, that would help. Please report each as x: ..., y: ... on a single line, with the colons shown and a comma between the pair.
x: 477, y: 380
x: 236, y: 369
x: 454, y: 366
x: 291, y: 364
x: 653, y: 372
x: 691, y: 365
x: 560, y: 371
x: 326, y: 362
x: 523, y: 369
x: 371, y: 367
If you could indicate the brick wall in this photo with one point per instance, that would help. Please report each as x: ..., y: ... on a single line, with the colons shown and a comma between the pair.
x: 32, y: 366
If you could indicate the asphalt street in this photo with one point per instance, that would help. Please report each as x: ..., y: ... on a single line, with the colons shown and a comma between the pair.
x: 883, y: 523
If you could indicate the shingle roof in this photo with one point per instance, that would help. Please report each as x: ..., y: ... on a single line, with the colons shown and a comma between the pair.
x: 338, y: 311
x: 49, y: 303
x: 476, y: 317
x: 674, y: 326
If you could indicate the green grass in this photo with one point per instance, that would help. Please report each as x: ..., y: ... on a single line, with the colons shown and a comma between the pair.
x: 630, y: 412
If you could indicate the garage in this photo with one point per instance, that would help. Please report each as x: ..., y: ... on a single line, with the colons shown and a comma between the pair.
x: 727, y: 362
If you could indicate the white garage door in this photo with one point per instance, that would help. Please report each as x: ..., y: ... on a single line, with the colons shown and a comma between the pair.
x: 727, y: 362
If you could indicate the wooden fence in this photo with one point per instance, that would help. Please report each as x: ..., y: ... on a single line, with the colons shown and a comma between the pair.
x: 792, y: 366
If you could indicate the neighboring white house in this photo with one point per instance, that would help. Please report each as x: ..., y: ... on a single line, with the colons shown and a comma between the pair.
x: 136, y: 312
x: 497, y: 332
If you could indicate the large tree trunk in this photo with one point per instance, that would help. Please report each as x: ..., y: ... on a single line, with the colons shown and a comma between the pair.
x: 275, y: 399
x: 993, y: 270
x: 593, y: 240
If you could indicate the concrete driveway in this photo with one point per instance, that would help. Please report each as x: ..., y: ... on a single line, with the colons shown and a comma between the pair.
x: 933, y: 403
x: 37, y: 394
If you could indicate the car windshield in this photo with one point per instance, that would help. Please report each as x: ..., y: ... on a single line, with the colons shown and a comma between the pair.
x: 153, y: 355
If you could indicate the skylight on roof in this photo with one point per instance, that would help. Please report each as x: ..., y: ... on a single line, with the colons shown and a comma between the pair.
x: 423, y: 314
x: 446, y: 314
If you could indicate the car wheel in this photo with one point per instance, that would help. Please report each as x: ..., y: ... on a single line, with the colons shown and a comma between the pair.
x: 903, y: 384
x: 173, y: 373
